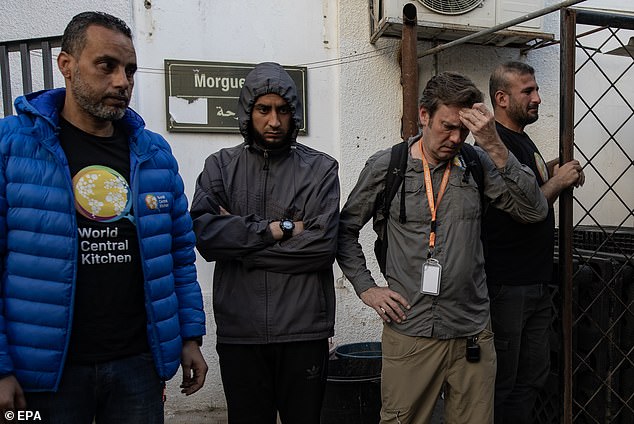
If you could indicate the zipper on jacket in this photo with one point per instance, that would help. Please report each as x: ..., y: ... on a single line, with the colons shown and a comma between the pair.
x: 266, y: 160
x: 75, y: 258
x: 264, y: 213
x: 134, y: 177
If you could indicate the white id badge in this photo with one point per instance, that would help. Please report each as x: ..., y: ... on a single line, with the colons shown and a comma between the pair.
x: 430, y: 277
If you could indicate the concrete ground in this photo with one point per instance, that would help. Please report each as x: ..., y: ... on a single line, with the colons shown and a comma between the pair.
x: 219, y: 416
x: 216, y: 416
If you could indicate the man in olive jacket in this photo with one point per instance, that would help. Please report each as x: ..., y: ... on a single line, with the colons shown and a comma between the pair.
x: 267, y: 212
x: 435, y: 307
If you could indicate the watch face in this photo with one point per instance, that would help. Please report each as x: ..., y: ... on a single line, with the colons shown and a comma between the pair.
x: 287, y: 225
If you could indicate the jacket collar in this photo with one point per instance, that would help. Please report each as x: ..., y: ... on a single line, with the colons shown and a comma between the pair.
x: 281, y: 151
x: 47, y: 104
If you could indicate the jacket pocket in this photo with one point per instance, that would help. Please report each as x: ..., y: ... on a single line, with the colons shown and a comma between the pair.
x: 415, y: 203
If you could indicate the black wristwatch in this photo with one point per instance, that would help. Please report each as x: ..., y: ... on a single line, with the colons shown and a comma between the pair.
x: 287, y: 226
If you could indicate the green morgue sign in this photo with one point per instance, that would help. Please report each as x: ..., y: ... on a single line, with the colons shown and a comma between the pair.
x: 203, y: 96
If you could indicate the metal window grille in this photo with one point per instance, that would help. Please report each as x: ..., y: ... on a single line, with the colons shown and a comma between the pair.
x: 17, y: 73
x: 595, y: 303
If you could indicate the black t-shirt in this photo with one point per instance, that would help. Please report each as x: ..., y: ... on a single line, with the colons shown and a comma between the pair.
x: 109, y: 319
x: 516, y: 253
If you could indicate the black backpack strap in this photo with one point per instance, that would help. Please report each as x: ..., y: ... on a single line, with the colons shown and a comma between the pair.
x: 473, y: 168
x: 394, y: 179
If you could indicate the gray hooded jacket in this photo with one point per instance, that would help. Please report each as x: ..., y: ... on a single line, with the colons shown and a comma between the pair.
x: 265, y: 291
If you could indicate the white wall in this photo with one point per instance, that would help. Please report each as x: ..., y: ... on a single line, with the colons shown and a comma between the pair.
x: 354, y: 97
x: 22, y: 19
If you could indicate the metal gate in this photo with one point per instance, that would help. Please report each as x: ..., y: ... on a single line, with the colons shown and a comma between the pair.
x: 596, y: 237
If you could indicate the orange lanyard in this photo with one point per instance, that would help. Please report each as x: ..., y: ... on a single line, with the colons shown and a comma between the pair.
x: 429, y: 188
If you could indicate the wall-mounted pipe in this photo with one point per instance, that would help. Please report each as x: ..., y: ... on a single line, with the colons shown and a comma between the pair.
x: 409, y: 72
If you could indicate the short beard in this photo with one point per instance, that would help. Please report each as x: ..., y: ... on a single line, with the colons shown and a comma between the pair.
x: 82, y: 93
x: 527, y: 119
x: 260, y: 141
x: 522, y: 117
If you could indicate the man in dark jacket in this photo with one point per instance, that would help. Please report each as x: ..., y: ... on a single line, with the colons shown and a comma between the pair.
x: 100, y: 302
x: 267, y: 212
x: 519, y: 256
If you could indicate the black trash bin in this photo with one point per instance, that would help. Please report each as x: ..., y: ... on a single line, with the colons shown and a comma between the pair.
x: 353, y: 387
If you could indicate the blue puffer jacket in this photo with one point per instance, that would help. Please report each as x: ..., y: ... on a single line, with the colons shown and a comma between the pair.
x: 38, y: 245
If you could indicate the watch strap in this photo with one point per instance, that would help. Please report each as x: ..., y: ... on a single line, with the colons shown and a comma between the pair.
x: 287, y: 232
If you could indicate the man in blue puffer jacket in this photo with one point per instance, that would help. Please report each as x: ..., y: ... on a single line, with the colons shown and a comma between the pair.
x: 100, y: 302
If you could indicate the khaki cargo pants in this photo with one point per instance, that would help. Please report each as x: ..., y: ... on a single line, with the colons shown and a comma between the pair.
x: 417, y: 369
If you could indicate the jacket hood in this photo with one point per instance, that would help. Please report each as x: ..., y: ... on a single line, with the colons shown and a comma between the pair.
x: 47, y: 104
x: 267, y: 78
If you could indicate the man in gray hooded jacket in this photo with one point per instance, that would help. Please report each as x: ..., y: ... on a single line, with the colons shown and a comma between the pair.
x: 267, y: 212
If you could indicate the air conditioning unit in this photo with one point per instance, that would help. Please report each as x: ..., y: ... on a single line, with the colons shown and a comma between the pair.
x: 452, y: 19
